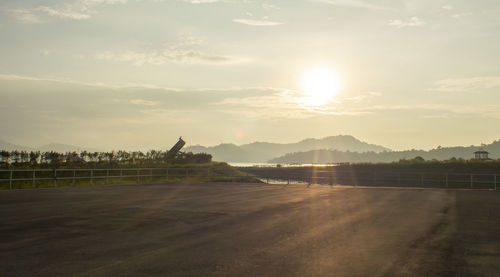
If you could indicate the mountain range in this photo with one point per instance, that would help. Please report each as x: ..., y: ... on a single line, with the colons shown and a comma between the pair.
x: 265, y: 151
x: 334, y: 156
x: 333, y: 149
x: 57, y: 147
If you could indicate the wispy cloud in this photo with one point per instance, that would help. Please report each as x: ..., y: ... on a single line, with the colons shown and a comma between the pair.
x: 447, y: 7
x: 253, y: 22
x: 281, y: 103
x: 25, y: 16
x: 169, y: 55
x: 460, y: 15
x: 202, y: 1
x: 412, y: 22
x: 143, y: 102
x: 473, y: 85
x: 64, y: 12
x: 351, y: 4
x: 269, y: 7
x: 82, y: 9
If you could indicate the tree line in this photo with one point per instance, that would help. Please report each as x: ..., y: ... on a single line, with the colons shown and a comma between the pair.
x: 52, y: 158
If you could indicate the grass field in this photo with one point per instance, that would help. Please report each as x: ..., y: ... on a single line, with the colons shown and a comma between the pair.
x: 237, y: 229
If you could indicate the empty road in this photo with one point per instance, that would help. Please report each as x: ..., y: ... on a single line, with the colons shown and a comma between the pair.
x: 217, y: 229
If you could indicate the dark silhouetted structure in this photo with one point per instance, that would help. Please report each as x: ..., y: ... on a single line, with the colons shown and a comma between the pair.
x: 176, y: 148
x: 481, y: 154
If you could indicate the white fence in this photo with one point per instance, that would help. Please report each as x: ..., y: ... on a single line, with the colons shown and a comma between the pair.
x: 332, y: 176
x: 35, y: 177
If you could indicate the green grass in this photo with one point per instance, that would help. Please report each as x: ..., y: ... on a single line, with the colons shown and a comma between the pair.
x: 214, y: 172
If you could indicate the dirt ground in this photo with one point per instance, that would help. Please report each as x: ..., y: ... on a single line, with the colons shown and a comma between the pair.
x: 216, y: 229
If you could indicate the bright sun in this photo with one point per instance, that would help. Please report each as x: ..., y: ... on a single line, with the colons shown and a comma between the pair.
x: 320, y: 86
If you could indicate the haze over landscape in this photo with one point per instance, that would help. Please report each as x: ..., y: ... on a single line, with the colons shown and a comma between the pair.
x: 118, y: 74
x: 250, y: 138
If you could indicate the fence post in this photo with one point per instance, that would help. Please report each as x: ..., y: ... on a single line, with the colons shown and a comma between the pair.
x: 92, y: 177
x: 495, y: 180
x: 166, y: 174
x: 422, y: 179
x: 10, y: 180
x: 33, y: 183
x: 471, y: 181
x: 107, y: 176
x: 137, y: 173
x: 74, y: 177
x: 150, y: 175
x: 399, y: 178
x: 446, y: 179
x: 55, y: 177
x: 187, y: 174
x: 121, y: 175
x: 374, y: 178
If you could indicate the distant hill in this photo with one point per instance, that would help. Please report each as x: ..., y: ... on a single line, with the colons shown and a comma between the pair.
x: 57, y: 147
x: 4, y: 145
x: 264, y: 151
x: 333, y: 156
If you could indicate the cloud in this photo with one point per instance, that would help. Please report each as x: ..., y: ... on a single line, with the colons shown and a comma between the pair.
x: 143, y: 102
x: 447, y: 7
x: 25, y: 16
x: 202, y: 1
x: 82, y: 9
x: 473, y: 85
x: 412, y: 22
x: 460, y: 15
x: 350, y: 4
x: 269, y: 7
x: 281, y: 103
x: 169, y: 55
x: 253, y: 22
x: 440, y: 110
x: 44, y: 52
x: 66, y: 12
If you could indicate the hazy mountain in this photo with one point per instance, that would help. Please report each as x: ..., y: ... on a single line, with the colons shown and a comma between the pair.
x: 264, y: 151
x: 60, y: 147
x: 332, y: 156
x: 4, y: 145
x: 57, y: 147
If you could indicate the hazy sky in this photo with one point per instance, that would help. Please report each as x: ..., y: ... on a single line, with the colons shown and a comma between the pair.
x: 137, y: 74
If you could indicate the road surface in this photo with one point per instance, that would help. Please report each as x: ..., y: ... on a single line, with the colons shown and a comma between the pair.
x: 217, y: 229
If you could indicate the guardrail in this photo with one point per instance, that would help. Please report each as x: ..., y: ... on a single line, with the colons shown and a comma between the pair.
x: 33, y: 178
x: 333, y: 176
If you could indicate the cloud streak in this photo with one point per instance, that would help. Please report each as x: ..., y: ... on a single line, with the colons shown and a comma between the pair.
x: 253, y: 22
x: 473, y: 85
x: 350, y: 4
x: 25, y: 16
x: 412, y: 22
x: 169, y: 55
x: 82, y: 9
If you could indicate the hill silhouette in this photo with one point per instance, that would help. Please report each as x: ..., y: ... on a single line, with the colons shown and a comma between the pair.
x: 335, y: 156
x: 56, y: 147
x: 264, y: 151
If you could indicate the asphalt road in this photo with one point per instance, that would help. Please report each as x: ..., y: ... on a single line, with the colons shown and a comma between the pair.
x: 248, y: 230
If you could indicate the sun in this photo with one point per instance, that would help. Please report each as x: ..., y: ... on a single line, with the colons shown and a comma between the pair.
x: 319, y: 86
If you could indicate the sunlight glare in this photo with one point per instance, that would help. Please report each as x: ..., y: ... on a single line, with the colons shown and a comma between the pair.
x: 320, y: 86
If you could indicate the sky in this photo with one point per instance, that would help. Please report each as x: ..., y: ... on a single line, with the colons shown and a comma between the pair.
x: 137, y: 74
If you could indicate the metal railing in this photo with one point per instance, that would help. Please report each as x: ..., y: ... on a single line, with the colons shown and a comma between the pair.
x: 33, y: 178
x: 379, y: 178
